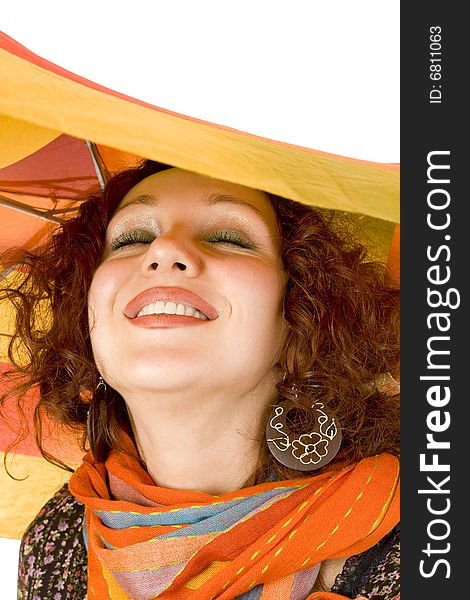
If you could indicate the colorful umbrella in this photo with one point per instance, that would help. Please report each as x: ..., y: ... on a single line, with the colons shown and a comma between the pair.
x: 62, y: 135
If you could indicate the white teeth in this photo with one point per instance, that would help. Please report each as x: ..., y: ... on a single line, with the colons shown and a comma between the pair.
x: 170, y: 308
x: 155, y: 308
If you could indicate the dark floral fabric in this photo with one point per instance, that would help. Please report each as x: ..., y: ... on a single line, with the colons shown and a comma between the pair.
x: 374, y: 574
x: 53, y: 559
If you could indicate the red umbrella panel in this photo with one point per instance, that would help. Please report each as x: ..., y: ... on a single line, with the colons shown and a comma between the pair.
x: 39, y: 191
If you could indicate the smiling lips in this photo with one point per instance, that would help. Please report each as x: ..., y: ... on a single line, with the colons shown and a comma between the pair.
x: 169, y: 307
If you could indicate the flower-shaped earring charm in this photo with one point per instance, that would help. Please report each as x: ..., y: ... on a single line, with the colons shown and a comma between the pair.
x: 303, y: 451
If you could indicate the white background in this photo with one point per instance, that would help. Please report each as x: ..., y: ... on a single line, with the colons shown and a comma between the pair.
x: 319, y: 74
x: 8, y: 568
x: 322, y: 74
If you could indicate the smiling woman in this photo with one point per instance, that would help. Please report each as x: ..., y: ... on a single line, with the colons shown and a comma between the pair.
x: 219, y: 258
x: 230, y: 358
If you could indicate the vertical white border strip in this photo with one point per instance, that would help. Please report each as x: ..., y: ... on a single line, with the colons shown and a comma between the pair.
x: 9, y: 567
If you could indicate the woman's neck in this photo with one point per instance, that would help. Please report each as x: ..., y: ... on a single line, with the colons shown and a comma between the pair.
x: 209, y: 444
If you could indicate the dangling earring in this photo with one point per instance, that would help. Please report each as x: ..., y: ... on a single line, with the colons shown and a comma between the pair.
x: 93, y: 419
x: 303, y: 451
x: 101, y: 384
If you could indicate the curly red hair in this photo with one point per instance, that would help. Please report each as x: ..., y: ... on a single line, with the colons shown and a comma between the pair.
x: 340, y: 308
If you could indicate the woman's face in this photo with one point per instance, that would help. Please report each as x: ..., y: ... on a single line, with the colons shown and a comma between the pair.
x: 180, y: 242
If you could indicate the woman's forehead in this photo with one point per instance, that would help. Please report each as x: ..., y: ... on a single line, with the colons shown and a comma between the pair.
x: 181, y: 185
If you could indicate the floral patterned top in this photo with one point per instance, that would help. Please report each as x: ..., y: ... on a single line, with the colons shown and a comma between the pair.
x: 53, y: 559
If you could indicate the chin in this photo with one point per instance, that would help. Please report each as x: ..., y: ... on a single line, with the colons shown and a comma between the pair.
x: 155, y: 372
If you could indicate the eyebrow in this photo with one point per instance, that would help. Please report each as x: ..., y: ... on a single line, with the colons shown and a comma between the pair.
x: 145, y: 199
x: 211, y: 200
x: 218, y: 198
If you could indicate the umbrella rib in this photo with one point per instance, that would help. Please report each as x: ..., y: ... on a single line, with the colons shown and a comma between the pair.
x: 4, y: 274
x: 24, y: 208
x: 63, y: 211
x: 100, y: 175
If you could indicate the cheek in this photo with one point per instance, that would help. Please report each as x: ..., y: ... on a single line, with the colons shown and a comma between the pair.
x: 258, y: 292
x: 100, y: 295
x: 268, y: 286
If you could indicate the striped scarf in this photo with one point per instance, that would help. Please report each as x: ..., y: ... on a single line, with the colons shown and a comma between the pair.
x: 265, y: 542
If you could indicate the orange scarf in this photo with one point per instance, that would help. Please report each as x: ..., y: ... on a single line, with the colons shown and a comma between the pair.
x: 263, y: 542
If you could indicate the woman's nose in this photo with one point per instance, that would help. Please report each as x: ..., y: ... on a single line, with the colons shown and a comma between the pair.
x: 169, y: 253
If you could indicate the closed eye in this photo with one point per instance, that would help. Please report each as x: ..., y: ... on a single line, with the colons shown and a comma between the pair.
x: 231, y: 238
x: 132, y: 237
